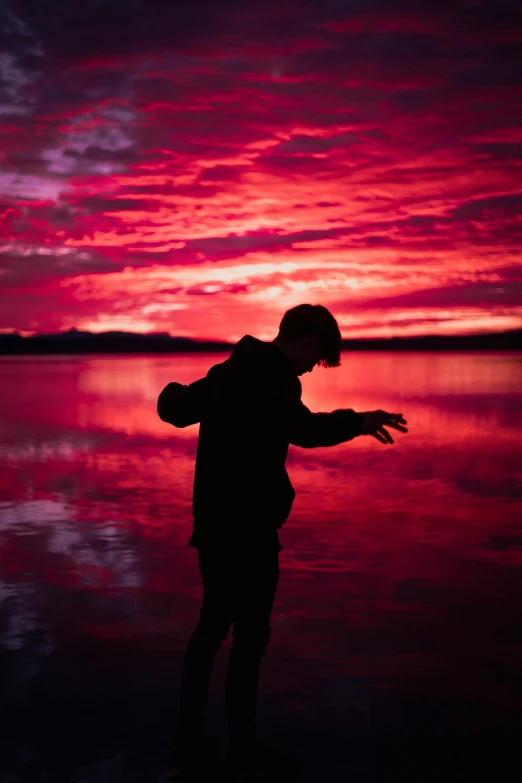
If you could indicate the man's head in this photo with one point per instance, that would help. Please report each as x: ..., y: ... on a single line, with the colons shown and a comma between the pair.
x: 309, y: 335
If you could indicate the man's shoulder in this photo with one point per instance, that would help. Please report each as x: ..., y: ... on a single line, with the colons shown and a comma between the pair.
x: 269, y: 370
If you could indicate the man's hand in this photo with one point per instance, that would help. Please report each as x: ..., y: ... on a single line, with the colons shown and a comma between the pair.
x: 374, y: 421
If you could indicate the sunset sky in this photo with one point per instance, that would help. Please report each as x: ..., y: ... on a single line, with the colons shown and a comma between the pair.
x: 198, y: 168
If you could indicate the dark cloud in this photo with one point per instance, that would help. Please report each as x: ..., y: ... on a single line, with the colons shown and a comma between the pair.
x: 222, y: 173
x: 58, y: 214
x: 32, y: 270
x: 197, y: 291
x: 173, y: 290
x: 102, y: 204
x: 220, y: 248
x: 194, y: 190
x: 94, y: 152
x: 476, y: 294
x: 477, y: 208
x: 511, y: 272
x: 405, y: 322
x: 276, y: 164
x: 74, y: 31
x: 300, y: 143
x: 502, y: 150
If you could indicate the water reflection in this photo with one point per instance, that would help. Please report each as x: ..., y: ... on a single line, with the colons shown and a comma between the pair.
x: 399, y: 606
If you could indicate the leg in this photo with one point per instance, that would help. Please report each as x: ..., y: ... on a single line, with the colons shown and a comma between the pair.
x: 212, y: 629
x: 257, y: 579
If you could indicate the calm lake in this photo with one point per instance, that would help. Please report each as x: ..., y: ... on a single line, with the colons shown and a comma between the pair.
x: 396, y: 644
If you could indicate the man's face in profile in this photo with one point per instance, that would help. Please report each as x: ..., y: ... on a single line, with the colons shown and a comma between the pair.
x: 308, y: 355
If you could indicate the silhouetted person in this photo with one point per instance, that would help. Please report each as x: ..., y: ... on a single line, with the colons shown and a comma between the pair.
x: 249, y: 408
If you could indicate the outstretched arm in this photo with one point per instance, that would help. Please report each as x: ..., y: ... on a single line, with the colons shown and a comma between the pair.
x: 310, y: 430
x: 182, y: 405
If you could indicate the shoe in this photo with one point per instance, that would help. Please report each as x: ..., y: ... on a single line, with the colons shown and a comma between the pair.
x: 197, y: 756
x: 259, y: 761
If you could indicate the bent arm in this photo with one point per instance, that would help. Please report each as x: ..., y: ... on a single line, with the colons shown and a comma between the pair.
x: 310, y: 430
x: 182, y: 405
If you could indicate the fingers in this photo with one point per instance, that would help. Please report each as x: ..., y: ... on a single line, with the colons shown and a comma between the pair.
x: 382, y: 435
x: 397, y: 416
x: 395, y: 420
x: 386, y: 434
x: 378, y: 437
x: 396, y: 426
x: 381, y: 418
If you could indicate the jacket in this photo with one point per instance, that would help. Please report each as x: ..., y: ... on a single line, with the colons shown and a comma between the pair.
x: 249, y: 410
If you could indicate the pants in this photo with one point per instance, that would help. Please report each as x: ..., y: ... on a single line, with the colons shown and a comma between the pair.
x: 238, y: 588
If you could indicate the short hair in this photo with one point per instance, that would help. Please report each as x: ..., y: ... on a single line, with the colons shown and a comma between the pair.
x: 307, y: 319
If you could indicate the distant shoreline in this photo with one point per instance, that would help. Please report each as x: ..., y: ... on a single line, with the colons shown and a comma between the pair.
x: 75, y: 342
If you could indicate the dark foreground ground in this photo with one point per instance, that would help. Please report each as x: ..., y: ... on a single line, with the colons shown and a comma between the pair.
x: 103, y: 711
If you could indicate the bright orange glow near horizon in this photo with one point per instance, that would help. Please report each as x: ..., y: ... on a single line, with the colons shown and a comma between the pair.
x: 203, y: 182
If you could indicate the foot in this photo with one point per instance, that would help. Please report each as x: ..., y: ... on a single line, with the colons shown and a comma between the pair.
x: 260, y: 761
x: 192, y: 759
